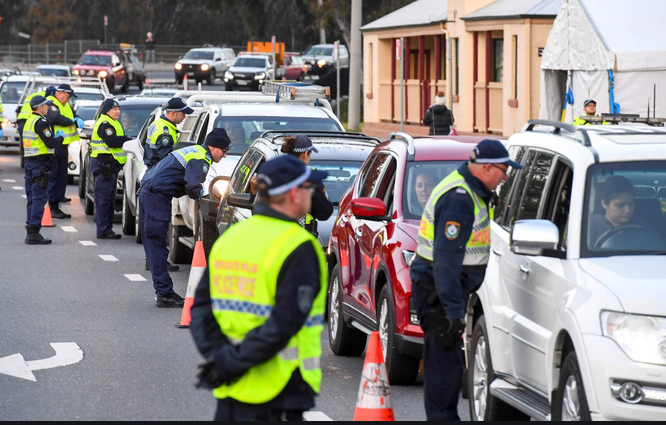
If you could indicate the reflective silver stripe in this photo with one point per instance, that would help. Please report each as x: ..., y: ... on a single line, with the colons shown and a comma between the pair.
x: 180, y: 158
x: 314, y: 321
x: 290, y: 353
x: 242, y: 307
x: 313, y: 363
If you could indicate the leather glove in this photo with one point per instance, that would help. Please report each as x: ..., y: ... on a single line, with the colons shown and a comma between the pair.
x: 60, y: 133
x: 208, y: 377
x: 456, y: 327
x: 79, y: 122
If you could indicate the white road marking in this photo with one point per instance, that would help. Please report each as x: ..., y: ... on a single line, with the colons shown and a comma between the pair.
x: 316, y: 417
x: 66, y: 354
x: 87, y: 243
x: 17, y: 187
x: 9, y: 181
x: 135, y: 278
x: 108, y: 258
x: 24, y: 196
x: 69, y: 229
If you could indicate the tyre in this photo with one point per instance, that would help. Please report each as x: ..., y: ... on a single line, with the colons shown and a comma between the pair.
x: 207, y: 234
x: 89, y: 196
x: 128, y: 220
x: 228, y: 87
x: 179, y: 79
x: 344, y: 340
x: 139, y: 82
x: 82, y: 182
x: 137, y: 224
x: 70, y: 180
x: 90, y: 207
x: 402, y: 370
x: 211, y: 77
x: 482, y: 405
x: 570, y: 403
x: 180, y: 254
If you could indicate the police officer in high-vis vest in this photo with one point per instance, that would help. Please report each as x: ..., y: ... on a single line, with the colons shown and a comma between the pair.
x: 258, y: 312
x: 162, y: 133
x: 181, y: 173
x: 590, y: 109
x: 40, y: 141
x: 107, y: 158
x: 450, y: 264
x: 23, y: 111
x: 62, y: 117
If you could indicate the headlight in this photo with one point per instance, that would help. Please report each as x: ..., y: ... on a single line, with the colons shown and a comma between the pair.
x: 179, y: 66
x: 103, y: 74
x: 642, y: 338
x: 322, y: 63
x: 260, y: 76
x: 75, y: 72
x: 228, y: 75
x: 6, y: 123
x: 219, y: 188
x: 92, y: 73
x: 205, y: 67
x: 408, y: 256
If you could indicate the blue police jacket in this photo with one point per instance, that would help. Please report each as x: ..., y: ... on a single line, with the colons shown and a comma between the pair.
x: 171, y: 179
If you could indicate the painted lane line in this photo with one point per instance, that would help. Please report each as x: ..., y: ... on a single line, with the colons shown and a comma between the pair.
x: 17, y: 187
x: 110, y: 258
x: 24, y: 196
x: 316, y: 417
x: 87, y: 243
x: 9, y: 181
x: 135, y: 278
x: 69, y: 229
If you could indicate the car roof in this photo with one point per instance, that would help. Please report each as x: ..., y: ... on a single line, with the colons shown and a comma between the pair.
x: 53, y: 67
x: 436, y: 148
x: 271, y: 110
x: 141, y: 100
x: 347, y: 147
x: 100, y: 52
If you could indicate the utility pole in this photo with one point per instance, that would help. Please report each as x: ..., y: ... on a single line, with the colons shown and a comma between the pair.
x: 322, y: 31
x: 355, y: 68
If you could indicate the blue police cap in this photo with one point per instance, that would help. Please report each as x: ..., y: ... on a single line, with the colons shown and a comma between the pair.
x: 38, y: 101
x: 67, y: 89
x: 218, y: 138
x: 108, y: 105
x: 278, y: 176
x: 178, y: 105
x: 303, y: 144
x: 492, y: 152
x: 588, y: 101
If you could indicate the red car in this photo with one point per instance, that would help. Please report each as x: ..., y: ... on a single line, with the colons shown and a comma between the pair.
x: 294, y: 67
x: 374, y: 241
x: 119, y: 69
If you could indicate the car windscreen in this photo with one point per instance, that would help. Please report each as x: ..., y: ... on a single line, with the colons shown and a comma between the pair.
x: 251, y: 62
x: 199, y: 55
x: 243, y: 131
x: 89, y: 96
x: 53, y: 72
x: 319, y: 51
x: 132, y: 117
x: 625, y: 209
x: 152, y: 93
x: 420, y: 179
x: 11, y: 92
x: 341, y: 175
x: 86, y: 112
x: 95, y: 60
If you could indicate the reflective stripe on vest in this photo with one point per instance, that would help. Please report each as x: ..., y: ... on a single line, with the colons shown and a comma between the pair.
x: 26, y: 110
x: 477, y: 249
x: 99, y: 147
x: 189, y: 153
x: 71, y: 133
x: 244, y: 266
x: 159, y: 127
x: 33, y: 145
x: 582, y: 121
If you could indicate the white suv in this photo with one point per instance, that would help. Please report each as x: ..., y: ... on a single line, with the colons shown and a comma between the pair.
x: 570, y: 322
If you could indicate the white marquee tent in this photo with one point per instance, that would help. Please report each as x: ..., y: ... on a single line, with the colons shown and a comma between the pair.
x: 591, y: 37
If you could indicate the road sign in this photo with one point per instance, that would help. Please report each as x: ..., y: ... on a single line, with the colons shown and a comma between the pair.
x: 398, y: 50
x: 106, y: 21
x: 66, y: 354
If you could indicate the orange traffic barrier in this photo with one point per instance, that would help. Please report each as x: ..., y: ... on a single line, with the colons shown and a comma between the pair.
x: 47, y: 220
x: 196, y: 273
x: 374, y: 395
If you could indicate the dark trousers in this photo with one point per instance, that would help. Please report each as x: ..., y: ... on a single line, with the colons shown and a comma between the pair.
x: 58, y: 184
x: 37, y: 196
x: 442, y: 378
x: 155, y: 215
x: 105, y: 198
x: 228, y: 410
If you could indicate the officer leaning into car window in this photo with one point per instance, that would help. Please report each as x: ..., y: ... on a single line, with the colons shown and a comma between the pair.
x: 258, y: 312
x: 181, y: 173
x: 62, y: 117
x: 450, y: 264
x: 39, y: 144
x: 162, y: 133
x: 107, y: 158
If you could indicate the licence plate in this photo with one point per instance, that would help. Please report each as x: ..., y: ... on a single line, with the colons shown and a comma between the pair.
x: 190, y: 74
x: 243, y: 83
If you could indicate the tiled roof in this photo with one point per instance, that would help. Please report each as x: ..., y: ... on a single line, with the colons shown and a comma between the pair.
x: 418, y: 13
x: 503, y: 9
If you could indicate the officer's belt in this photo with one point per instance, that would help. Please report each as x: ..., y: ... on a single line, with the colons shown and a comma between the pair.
x: 42, y: 158
x: 425, y: 260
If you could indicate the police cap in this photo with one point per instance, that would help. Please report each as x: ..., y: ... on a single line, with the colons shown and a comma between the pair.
x: 278, y: 176
x: 491, y: 151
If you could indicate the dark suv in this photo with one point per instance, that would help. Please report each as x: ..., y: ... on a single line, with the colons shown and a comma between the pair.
x: 373, y: 242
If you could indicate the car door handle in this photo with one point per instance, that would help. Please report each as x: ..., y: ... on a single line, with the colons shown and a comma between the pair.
x: 497, y: 252
x: 524, y: 269
x: 359, y: 233
x: 344, y: 218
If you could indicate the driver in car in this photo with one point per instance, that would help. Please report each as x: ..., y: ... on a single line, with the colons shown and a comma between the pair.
x: 236, y: 133
x: 425, y: 183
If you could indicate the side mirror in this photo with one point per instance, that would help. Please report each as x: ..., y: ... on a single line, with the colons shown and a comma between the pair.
x: 533, y: 237
x: 372, y: 209
x: 240, y: 200
x: 218, y: 60
x: 132, y: 146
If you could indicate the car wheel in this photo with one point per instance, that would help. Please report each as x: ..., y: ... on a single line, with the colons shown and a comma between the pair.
x: 180, y: 254
x: 402, y: 370
x: 207, y: 234
x: 129, y: 225
x: 90, y: 207
x: 227, y: 87
x: 90, y: 196
x: 482, y: 405
x: 82, y: 182
x: 570, y: 403
x: 211, y: 77
x: 70, y: 180
x: 137, y: 224
x: 179, y: 79
x: 344, y: 340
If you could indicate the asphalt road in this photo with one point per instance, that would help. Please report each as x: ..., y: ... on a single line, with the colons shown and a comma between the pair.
x: 136, y: 364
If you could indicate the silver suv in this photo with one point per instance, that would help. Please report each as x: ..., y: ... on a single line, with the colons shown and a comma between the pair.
x: 570, y: 323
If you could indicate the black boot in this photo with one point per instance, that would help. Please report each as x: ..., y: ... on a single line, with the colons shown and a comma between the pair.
x: 56, y: 212
x: 35, y: 238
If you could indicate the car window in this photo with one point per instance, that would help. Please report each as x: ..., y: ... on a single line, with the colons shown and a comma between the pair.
x: 201, y: 136
x: 89, y: 96
x: 534, y: 190
x: 385, y: 189
x: 11, y: 92
x: 199, y: 55
x: 341, y: 175
x: 420, y: 180
x: 517, y: 154
x: 247, y: 166
x: 319, y: 51
x: 516, y: 195
x: 132, y: 117
x: 95, y: 60
x: 144, y: 130
x: 373, y: 174
x: 250, y: 62
x: 188, y: 125
x: 86, y: 113
x: 559, y: 199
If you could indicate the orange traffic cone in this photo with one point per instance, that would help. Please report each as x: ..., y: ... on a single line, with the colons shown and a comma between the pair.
x: 185, y: 82
x: 196, y: 273
x: 374, y: 395
x: 47, y: 220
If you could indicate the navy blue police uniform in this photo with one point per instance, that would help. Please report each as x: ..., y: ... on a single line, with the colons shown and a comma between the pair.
x: 162, y: 134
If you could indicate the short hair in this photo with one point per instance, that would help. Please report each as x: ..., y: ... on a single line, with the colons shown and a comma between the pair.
x: 615, y: 186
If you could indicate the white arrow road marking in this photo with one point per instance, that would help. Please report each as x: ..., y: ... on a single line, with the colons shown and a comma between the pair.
x: 316, y: 417
x: 87, y: 243
x: 108, y: 258
x: 66, y: 354
x: 135, y: 278
x: 69, y: 229
x: 25, y: 196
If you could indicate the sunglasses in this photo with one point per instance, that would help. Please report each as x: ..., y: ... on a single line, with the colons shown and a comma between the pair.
x: 504, y: 170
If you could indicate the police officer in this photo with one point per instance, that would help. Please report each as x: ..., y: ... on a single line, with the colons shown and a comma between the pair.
x: 106, y: 160
x: 39, y: 144
x: 590, y: 109
x: 258, y: 310
x: 62, y: 118
x: 450, y: 264
x: 181, y: 173
x: 162, y: 133
x: 24, y: 111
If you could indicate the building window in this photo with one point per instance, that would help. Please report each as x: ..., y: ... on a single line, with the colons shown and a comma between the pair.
x: 498, y: 60
x: 457, y: 78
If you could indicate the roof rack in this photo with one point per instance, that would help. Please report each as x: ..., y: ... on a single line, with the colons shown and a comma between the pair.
x: 558, y: 127
x: 407, y: 139
x: 620, y: 118
x: 330, y: 134
x: 295, y: 90
x: 74, y: 81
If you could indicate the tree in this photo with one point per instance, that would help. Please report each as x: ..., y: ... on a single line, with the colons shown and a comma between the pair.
x: 54, y: 25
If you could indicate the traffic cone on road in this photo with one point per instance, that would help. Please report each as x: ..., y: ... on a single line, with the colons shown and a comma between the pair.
x: 196, y: 273
x: 374, y: 395
x: 47, y: 220
x: 185, y: 82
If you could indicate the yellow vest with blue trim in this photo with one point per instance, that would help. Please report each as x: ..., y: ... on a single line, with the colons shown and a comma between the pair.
x: 160, y: 127
x: 33, y: 145
x: 189, y: 153
x: 245, y: 263
x: 71, y: 133
x: 582, y: 121
x: 98, y: 146
x: 477, y: 249
x: 26, y: 110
